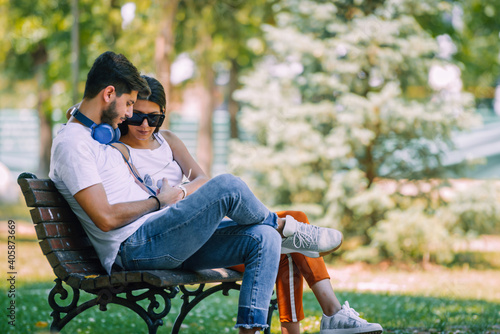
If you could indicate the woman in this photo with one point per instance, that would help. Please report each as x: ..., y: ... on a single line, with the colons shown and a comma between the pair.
x: 161, y: 154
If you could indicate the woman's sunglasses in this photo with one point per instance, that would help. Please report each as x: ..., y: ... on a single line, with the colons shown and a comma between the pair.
x: 154, y: 120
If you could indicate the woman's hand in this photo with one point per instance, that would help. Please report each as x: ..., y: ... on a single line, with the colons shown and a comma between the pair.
x: 169, y: 195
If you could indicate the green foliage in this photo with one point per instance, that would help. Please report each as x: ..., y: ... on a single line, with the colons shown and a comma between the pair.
x: 412, y: 236
x: 474, y: 28
x: 39, y: 40
x: 333, y: 108
x: 477, y: 209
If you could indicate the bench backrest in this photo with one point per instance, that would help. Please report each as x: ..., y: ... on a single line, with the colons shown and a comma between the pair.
x: 62, y: 238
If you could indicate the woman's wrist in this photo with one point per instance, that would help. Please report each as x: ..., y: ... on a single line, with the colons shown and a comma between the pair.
x: 184, y: 191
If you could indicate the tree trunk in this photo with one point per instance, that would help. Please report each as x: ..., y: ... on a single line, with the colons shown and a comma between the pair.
x: 232, y: 105
x: 40, y: 60
x: 204, y: 152
x: 75, y: 50
x: 164, y: 50
x: 45, y: 136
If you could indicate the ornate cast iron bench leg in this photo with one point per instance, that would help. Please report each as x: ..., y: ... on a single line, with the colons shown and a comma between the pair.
x: 104, y: 297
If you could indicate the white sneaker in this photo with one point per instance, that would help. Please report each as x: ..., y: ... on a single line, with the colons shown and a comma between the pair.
x: 310, y: 240
x: 347, y: 321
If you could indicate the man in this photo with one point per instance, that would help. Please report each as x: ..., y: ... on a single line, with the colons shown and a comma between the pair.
x: 137, y: 230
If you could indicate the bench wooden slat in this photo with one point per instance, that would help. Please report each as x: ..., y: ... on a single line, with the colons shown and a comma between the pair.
x: 56, y: 258
x: 166, y: 278
x: 88, y: 269
x: 62, y: 244
x: 48, y: 214
x: 39, y: 193
x: 157, y: 278
x: 37, y: 184
x: 59, y: 230
x: 43, y: 198
x: 126, y: 277
x: 87, y: 284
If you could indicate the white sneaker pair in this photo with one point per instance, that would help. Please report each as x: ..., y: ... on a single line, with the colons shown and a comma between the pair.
x: 310, y: 240
x: 347, y: 321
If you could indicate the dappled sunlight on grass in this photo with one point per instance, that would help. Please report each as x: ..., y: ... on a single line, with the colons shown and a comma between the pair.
x: 435, y: 281
x: 31, y: 265
x: 396, y: 312
x: 402, y: 301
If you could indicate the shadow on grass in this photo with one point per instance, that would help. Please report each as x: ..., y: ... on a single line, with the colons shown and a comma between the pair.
x: 217, y: 314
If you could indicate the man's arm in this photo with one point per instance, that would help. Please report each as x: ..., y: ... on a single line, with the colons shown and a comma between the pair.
x: 107, y: 217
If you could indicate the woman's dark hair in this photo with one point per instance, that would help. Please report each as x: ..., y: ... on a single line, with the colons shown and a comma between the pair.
x: 157, y: 96
x: 157, y: 93
x: 111, y: 69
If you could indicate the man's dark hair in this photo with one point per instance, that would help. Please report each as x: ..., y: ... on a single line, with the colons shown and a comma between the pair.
x: 111, y: 69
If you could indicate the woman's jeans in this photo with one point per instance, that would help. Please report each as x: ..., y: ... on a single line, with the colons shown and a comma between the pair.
x: 187, y: 236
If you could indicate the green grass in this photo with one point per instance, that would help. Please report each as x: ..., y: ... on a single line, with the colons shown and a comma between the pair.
x: 398, y: 313
x: 413, y: 300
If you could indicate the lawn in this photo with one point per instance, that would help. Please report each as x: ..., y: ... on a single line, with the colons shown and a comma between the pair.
x: 459, y: 300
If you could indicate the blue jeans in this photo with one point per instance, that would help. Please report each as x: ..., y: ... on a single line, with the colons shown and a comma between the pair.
x: 187, y: 236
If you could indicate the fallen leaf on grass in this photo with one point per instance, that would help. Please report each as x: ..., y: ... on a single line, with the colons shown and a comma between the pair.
x: 41, y: 324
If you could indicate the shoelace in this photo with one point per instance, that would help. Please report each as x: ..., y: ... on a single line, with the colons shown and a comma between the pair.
x: 305, y: 235
x: 350, y: 312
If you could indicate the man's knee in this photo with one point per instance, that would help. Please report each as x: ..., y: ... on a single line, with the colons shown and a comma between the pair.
x: 228, y: 181
x: 270, y: 240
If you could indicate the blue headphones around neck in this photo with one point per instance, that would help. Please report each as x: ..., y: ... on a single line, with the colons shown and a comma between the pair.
x: 103, y: 133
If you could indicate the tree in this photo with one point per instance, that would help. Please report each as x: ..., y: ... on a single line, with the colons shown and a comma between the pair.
x: 34, y: 35
x: 333, y: 109
x: 217, y: 33
x: 474, y: 30
x: 39, y: 37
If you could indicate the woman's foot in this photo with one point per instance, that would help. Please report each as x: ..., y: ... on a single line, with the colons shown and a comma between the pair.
x: 309, y: 240
x: 347, y: 321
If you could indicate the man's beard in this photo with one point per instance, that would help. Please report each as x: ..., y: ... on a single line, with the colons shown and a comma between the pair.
x: 109, y: 114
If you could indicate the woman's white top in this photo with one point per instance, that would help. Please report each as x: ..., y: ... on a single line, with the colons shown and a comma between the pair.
x: 154, y: 165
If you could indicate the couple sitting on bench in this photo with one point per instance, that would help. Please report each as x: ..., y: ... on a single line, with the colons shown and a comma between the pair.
x: 138, y: 214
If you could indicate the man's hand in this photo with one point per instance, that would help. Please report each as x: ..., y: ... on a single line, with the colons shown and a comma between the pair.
x: 169, y: 195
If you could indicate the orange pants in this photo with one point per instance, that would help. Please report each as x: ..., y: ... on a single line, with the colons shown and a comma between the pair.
x: 293, y: 268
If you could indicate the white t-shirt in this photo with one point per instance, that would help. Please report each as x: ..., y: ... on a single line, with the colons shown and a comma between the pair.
x: 78, y: 162
x: 157, y: 163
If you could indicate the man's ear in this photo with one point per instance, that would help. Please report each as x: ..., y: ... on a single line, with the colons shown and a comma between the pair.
x: 108, y: 93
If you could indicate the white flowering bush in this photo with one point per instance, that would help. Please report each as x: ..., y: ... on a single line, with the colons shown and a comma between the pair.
x: 342, y: 100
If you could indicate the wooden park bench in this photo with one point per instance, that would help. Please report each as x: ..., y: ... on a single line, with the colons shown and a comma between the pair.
x: 74, y: 262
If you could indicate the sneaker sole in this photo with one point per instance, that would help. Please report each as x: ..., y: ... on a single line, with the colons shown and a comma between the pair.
x: 332, y: 250
x: 312, y: 254
x: 307, y: 253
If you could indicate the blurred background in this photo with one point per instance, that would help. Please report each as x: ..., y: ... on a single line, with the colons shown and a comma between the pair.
x: 380, y: 118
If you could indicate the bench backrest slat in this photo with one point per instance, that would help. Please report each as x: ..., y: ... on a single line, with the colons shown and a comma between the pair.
x: 51, y: 214
x: 62, y: 238
x: 41, y: 193
x: 59, y: 230
x: 64, y: 244
x: 61, y: 257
